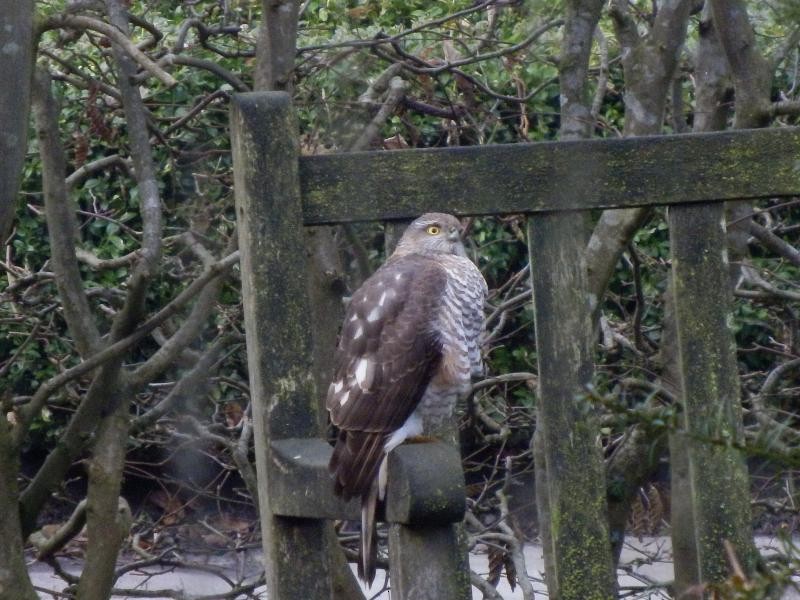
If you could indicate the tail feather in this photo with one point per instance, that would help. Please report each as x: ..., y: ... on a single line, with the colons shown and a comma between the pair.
x: 368, y: 552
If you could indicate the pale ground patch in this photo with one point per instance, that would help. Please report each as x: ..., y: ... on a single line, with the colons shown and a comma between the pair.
x: 647, y: 565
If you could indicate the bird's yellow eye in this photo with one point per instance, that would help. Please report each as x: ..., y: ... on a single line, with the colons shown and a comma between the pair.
x: 433, y: 229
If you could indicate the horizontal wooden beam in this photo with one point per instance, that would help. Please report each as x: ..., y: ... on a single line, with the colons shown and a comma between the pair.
x: 548, y: 176
x: 426, y: 483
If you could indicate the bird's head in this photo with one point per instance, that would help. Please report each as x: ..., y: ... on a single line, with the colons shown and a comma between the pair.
x: 433, y: 233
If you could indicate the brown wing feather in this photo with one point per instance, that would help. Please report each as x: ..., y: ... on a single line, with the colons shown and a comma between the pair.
x: 387, y: 355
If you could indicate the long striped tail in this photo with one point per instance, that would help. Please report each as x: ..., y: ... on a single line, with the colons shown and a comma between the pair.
x: 368, y: 553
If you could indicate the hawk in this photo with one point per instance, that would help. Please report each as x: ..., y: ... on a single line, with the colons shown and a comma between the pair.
x: 408, y: 348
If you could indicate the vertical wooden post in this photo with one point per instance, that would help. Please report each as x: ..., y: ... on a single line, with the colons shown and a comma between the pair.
x: 269, y: 219
x: 575, y: 482
x: 430, y: 561
x: 710, y: 389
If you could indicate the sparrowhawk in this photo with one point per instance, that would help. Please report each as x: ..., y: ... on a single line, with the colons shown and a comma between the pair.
x: 407, y: 349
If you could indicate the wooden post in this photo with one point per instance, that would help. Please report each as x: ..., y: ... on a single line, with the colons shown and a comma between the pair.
x: 428, y: 558
x: 712, y: 418
x: 575, y: 484
x: 274, y: 291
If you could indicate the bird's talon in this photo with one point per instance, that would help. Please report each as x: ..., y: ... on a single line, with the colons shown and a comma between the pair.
x: 421, y: 439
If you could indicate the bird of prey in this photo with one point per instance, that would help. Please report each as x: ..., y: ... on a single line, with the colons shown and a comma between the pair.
x: 408, y: 348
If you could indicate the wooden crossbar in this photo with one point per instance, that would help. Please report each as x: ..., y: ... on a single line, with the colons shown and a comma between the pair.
x: 550, y: 176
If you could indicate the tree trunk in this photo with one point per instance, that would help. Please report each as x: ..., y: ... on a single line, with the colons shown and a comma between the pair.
x: 108, y: 517
x: 16, y: 69
x: 277, y: 45
x: 14, y: 581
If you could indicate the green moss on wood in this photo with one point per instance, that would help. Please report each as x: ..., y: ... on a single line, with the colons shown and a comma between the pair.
x: 548, y: 176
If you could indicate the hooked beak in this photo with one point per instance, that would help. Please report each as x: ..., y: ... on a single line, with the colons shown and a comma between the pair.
x: 454, y: 235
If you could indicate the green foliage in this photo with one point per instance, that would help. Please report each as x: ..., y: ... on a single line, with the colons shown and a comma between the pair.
x: 338, y: 60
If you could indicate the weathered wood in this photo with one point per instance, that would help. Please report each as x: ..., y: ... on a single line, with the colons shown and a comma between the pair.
x: 301, y: 484
x: 274, y: 293
x: 544, y: 176
x: 427, y: 562
x: 426, y: 483
x: 710, y: 389
x: 574, y: 479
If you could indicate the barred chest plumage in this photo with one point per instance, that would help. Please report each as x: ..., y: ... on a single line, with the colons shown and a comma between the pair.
x: 458, y: 323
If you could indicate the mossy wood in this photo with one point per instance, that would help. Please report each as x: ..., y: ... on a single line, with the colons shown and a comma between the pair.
x: 425, y: 483
x: 712, y: 418
x: 276, y: 313
x: 544, y: 176
x: 276, y: 194
x: 574, y: 477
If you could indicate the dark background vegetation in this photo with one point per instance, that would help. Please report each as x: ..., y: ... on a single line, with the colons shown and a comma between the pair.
x: 146, y: 212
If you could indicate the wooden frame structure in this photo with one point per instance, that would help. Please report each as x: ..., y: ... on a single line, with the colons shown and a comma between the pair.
x: 278, y: 193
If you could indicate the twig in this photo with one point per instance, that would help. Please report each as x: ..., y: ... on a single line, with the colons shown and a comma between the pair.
x: 402, y: 34
x: 487, y: 589
x: 81, y: 173
x: 192, y: 384
x: 48, y: 387
x: 200, y: 63
x: 602, y: 76
x: 397, y: 88
x: 774, y: 243
x: 114, y: 34
x: 196, y: 109
x: 504, y: 378
x: 46, y: 547
x: 13, y: 360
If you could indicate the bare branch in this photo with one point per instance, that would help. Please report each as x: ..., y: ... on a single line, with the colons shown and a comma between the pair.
x: 83, y: 80
x: 212, y: 67
x: 112, y: 33
x: 530, y: 39
x: 61, y: 224
x: 396, y: 38
x: 116, y: 349
x: 397, y: 88
x: 188, y: 331
x: 90, y: 168
x: 774, y: 243
x: 199, y: 106
x: 11, y: 361
x: 750, y: 70
x: 141, y: 151
x: 47, y: 546
x: 100, y: 264
x: 487, y: 589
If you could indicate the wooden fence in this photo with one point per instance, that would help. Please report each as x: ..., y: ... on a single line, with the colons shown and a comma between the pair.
x: 278, y: 193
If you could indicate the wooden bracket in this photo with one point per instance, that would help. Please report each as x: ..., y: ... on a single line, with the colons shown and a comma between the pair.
x: 426, y: 483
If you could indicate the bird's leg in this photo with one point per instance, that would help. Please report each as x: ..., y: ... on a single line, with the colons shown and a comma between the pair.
x: 420, y: 439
